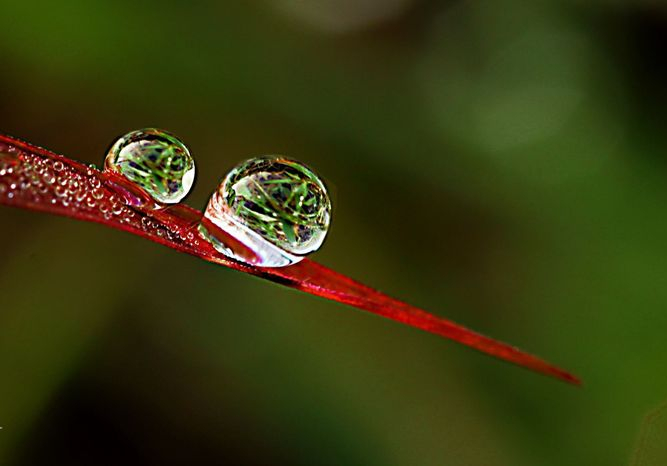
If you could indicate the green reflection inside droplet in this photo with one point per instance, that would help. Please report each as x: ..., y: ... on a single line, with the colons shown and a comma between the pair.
x: 277, y: 207
x: 156, y: 161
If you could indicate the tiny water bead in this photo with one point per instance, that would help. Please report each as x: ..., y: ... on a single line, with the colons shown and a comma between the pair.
x: 268, y: 211
x: 156, y: 161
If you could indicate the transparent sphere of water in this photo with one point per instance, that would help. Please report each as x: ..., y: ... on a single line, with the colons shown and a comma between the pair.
x: 268, y: 211
x: 156, y: 161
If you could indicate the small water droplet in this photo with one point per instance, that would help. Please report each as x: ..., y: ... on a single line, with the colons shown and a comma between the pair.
x: 98, y: 193
x: 73, y: 186
x: 268, y: 211
x: 117, y: 209
x: 49, y: 177
x: 61, y: 191
x: 156, y: 161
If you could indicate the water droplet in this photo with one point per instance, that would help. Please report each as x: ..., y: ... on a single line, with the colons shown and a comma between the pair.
x: 268, y: 211
x: 80, y: 195
x: 156, y: 161
x: 73, y: 186
x: 117, y: 209
x: 98, y: 193
x: 49, y: 177
x: 60, y: 191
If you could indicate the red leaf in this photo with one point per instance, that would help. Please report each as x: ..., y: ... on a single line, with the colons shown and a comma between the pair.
x: 34, y: 178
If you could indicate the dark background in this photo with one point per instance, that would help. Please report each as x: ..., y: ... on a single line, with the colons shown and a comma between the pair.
x: 501, y: 163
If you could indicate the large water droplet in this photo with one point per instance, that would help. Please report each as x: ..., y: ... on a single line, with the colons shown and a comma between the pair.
x: 156, y: 161
x: 268, y: 211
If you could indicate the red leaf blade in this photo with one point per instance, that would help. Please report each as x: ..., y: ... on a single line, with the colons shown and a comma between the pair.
x: 36, y: 179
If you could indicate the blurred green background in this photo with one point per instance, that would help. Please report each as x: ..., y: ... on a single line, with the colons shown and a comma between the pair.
x: 501, y: 163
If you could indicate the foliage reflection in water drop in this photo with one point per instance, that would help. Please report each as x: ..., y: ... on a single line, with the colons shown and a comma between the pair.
x: 278, y: 208
x: 156, y: 161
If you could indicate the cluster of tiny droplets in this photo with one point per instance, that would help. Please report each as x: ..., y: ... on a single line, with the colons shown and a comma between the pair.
x: 39, y: 181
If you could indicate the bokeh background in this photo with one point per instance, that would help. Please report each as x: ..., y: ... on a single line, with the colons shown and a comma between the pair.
x: 501, y: 163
